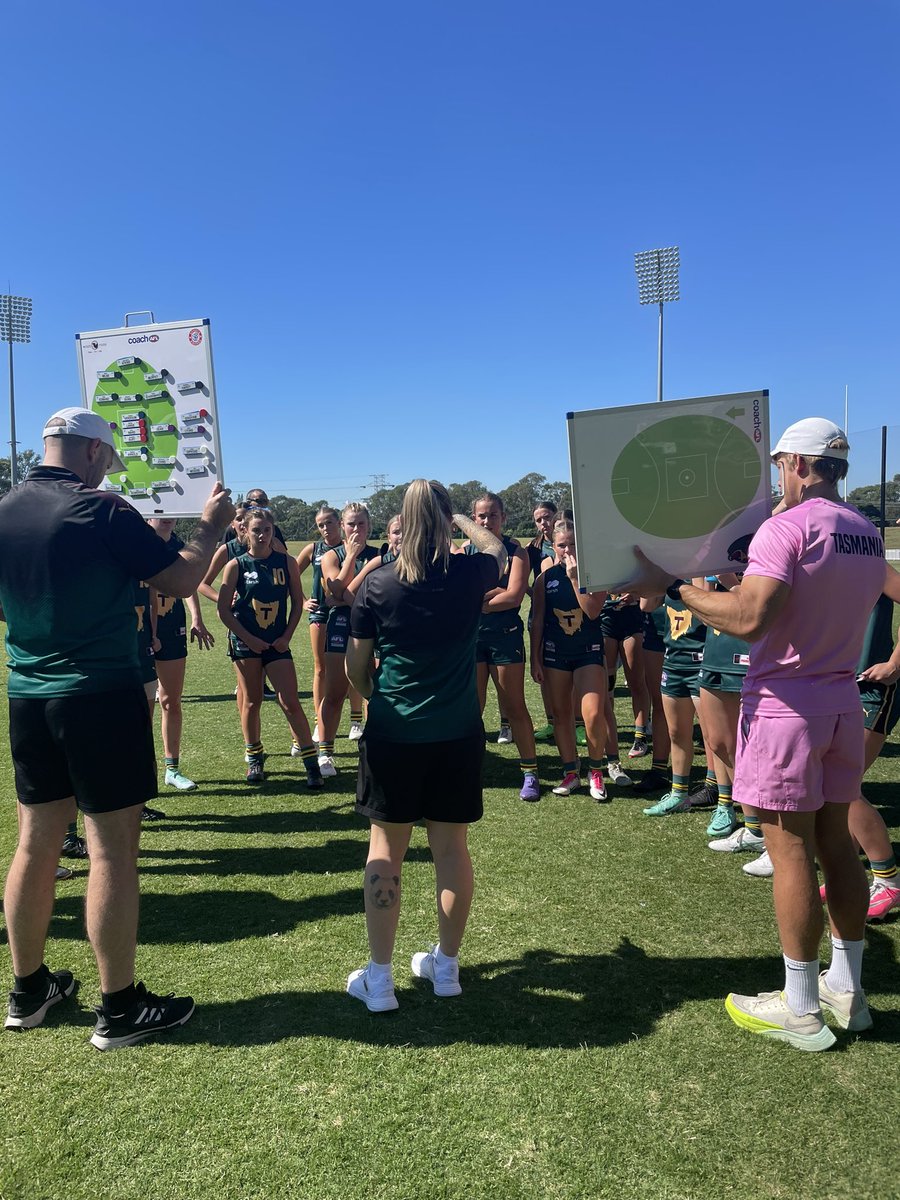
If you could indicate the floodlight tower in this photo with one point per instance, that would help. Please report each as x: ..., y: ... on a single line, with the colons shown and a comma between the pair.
x: 15, y: 326
x: 657, y: 272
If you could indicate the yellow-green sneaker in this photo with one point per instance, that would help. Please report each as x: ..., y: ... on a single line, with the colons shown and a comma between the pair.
x: 769, y: 1016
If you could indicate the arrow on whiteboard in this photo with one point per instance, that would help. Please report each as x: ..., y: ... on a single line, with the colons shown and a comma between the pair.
x: 734, y: 412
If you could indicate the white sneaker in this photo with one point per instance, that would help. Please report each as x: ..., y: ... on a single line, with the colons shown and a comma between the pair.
x: 760, y: 867
x: 326, y: 766
x: 443, y: 973
x: 296, y: 752
x: 504, y: 737
x: 849, y: 1009
x: 376, y: 995
x: 741, y: 841
x: 356, y: 731
x: 598, y: 787
x: 315, y: 736
x: 618, y: 776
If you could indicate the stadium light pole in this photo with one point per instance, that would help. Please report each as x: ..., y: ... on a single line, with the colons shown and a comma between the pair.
x: 657, y: 273
x: 15, y: 326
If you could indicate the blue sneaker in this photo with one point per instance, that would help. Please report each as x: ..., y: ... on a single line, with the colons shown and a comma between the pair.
x: 531, y: 788
x: 723, y: 822
x: 671, y: 802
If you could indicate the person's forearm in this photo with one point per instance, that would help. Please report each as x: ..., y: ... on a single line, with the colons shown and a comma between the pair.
x: 721, y: 610
x: 483, y: 540
x: 193, y: 605
x: 187, y: 572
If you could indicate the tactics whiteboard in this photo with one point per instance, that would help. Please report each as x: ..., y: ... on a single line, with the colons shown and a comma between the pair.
x: 686, y: 480
x: 154, y: 384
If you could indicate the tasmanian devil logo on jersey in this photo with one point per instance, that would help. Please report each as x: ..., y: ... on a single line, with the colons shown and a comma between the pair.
x: 164, y: 604
x: 679, y: 622
x: 569, y: 619
x: 266, y: 613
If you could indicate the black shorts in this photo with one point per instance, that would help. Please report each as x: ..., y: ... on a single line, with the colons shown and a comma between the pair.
x: 401, y: 782
x: 97, y: 747
x: 623, y: 623
x: 238, y: 650
x: 173, y: 646
x: 652, y: 641
x: 881, y: 706
x: 338, y: 632
x: 147, y: 661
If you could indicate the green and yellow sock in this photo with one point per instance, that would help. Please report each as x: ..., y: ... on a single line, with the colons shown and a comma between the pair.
x: 171, y: 763
x: 327, y: 748
x: 753, y: 824
x: 885, y: 870
x: 680, y: 784
x: 570, y: 766
x: 528, y: 766
x: 356, y: 716
x: 660, y: 765
x: 725, y: 795
x: 255, y: 750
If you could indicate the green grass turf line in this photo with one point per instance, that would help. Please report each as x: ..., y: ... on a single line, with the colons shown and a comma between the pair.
x: 589, y: 1055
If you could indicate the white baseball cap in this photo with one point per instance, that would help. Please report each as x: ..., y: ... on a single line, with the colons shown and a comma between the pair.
x: 814, y: 437
x: 83, y: 423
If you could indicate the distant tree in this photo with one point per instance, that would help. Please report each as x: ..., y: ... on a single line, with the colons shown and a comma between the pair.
x: 25, y: 460
x: 383, y: 505
x: 559, y: 492
x: 463, y: 495
x: 520, y: 499
x: 295, y: 517
x: 871, y: 494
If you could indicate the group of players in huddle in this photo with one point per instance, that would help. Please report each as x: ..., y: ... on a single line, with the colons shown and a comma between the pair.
x: 684, y: 678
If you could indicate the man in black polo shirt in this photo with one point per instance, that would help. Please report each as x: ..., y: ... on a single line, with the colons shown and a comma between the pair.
x: 80, y: 728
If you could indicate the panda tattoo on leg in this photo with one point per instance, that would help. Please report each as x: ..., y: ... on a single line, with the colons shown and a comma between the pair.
x: 384, y: 890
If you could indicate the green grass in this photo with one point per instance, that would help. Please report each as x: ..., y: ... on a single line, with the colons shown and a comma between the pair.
x: 589, y: 1056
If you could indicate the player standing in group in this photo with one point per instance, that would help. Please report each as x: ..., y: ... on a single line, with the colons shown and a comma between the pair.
x: 261, y: 602
x: 422, y: 751
x: 339, y: 567
x: 328, y: 523
x: 539, y: 550
x: 567, y: 658
x: 500, y: 649
x: 800, y: 710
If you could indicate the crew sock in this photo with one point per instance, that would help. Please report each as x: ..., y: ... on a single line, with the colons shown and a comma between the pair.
x: 356, y: 716
x: 116, y: 1003
x: 528, y: 766
x: 801, y: 985
x: 885, y: 870
x: 680, y: 784
x: 31, y: 983
x: 846, y: 966
x: 751, y: 822
x: 726, y: 800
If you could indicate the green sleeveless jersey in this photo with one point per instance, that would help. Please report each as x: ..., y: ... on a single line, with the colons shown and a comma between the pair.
x: 566, y: 624
x: 317, y: 588
x: 878, y: 643
x: 684, y: 635
x: 261, y: 595
x: 499, y: 620
x: 368, y: 553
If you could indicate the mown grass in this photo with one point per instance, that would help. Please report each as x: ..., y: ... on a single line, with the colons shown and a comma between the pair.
x: 590, y: 1054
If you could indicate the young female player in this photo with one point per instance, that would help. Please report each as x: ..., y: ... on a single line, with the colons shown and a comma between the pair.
x: 567, y: 657
x: 260, y: 603
x: 623, y: 636
x: 500, y: 650
x: 328, y: 523
x: 539, y: 549
x: 170, y: 660
x: 339, y: 567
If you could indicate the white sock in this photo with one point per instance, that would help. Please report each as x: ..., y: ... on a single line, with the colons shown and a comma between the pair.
x: 801, y: 985
x: 846, y: 966
x: 380, y: 971
x: 440, y: 956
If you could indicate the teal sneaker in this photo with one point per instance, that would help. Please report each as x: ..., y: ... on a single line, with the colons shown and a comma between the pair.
x: 580, y: 735
x: 723, y: 822
x: 175, y: 779
x: 671, y: 802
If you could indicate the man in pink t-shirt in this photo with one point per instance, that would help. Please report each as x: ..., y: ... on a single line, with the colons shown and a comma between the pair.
x: 815, y: 570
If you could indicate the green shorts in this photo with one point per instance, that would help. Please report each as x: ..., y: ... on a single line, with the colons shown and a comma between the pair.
x: 721, y: 681
x: 680, y: 682
x: 501, y: 646
x: 881, y: 706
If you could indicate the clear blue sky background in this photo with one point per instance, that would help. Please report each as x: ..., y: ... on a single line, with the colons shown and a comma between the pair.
x: 412, y: 223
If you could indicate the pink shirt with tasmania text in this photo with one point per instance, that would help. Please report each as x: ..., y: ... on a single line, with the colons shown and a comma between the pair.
x: 832, y: 559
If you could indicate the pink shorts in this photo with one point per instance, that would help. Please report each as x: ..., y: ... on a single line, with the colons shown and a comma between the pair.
x: 797, y: 764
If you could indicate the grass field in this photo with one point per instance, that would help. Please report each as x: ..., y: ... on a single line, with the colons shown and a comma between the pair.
x: 589, y: 1056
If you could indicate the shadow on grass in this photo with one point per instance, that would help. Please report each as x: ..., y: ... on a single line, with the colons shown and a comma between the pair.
x: 544, y: 999
x: 213, y: 699
x: 340, y: 818
x: 886, y: 799
x: 334, y: 857
x: 216, y: 917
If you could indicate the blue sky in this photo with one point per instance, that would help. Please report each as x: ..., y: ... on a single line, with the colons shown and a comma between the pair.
x: 412, y: 224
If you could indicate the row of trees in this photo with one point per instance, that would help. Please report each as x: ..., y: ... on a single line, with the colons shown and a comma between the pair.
x: 296, y: 518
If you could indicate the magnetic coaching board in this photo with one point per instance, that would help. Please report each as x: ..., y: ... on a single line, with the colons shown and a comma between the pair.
x: 154, y: 384
x: 686, y: 480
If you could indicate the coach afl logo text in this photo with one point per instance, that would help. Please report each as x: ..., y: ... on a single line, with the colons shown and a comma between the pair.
x: 145, y: 337
x: 265, y: 613
x: 569, y: 619
x: 195, y: 337
x: 757, y: 423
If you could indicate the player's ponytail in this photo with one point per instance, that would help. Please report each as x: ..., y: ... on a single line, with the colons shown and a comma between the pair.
x: 426, y: 517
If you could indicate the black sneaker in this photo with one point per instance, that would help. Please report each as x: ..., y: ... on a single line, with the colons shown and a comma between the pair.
x: 152, y: 814
x: 148, y: 1015
x: 255, y: 772
x: 705, y: 796
x: 28, y: 1009
x: 314, y: 777
x: 74, y: 846
x: 651, y: 781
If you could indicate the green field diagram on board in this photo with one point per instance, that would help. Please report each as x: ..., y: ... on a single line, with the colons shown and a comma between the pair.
x: 150, y: 397
x: 686, y: 476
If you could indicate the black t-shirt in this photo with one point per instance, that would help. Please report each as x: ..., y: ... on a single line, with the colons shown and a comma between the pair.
x: 70, y: 554
x: 425, y: 635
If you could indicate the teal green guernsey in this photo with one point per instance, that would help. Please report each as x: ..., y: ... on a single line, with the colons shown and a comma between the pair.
x: 368, y: 553
x: 317, y: 588
x: 566, y: 624
x: 684, y: 635
x: 262, y: 594
x: 878, y: 643
x: 503, y: 620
